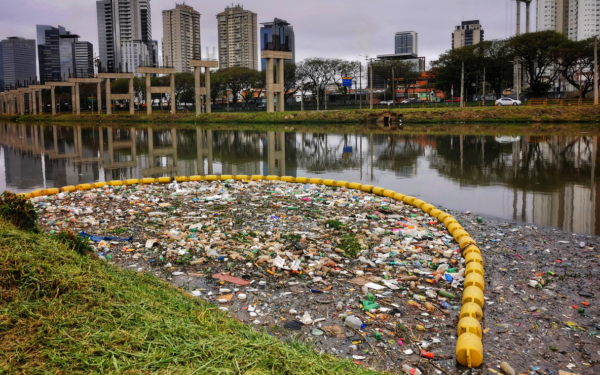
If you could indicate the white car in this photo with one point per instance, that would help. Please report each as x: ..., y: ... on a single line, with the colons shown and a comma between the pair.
x: 387, y: 102
x: 507, y: 101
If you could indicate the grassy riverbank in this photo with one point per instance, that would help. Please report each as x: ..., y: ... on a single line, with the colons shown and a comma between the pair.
x: 479, y: 115
x: 61, y: 312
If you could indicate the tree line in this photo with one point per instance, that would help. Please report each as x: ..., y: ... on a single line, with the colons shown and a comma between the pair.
x: 545, y: 58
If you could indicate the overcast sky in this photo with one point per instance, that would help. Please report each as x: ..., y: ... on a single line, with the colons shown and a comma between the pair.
x: 323, y: 28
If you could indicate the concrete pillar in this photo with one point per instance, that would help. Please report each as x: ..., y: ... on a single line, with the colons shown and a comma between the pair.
x: 271, y: 150
x: 108, y: 97
x: 527, y: 5
x: 270, y: 96
x: 518, y: 17
x: 199, y: 152
x: 197, y: 90
x: 148, y: 94
x: 33, y: 102
x: 73, y: 100
x: 280, y: 95
x: 99, y: 95
x: 41, y: 104
x: 173, y: 101
x: 209, y: 143
x: 53, y: 100
x: 77, y: 99
x: 132, y: 99
x: 208, y: 101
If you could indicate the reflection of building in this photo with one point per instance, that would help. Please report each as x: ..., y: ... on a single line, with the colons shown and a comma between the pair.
x: 468, y: 33
x: 181, y: 37
x: 238, y: 40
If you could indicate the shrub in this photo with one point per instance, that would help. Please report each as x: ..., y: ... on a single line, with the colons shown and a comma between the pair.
x: 75, y: 242
x: 19, y: 211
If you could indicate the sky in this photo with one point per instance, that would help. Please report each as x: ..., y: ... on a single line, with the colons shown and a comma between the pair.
x: 347, y: 29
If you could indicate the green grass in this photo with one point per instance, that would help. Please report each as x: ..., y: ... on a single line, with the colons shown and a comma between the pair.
x: 64, y: 313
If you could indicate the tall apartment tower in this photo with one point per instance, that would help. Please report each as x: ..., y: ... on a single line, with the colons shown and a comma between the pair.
x: 181, y: 37
x: 277, y: 36
x: 577, y: 19
x: 238, y: 39
x: 406, y: 42
x: 121, y: 21
x: 17, y: 61
x: 468, y: 33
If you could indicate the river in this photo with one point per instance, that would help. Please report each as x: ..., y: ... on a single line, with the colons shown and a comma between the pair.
x: 541, y: 180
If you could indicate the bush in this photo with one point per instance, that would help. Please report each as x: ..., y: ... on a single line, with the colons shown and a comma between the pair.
x: 75, y: 242
x: 350, y: 245
x: 19, y: 211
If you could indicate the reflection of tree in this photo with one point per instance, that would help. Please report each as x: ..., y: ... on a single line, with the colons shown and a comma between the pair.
x: 400, y: 153
x: 319, y: 152
x: 527, y: 164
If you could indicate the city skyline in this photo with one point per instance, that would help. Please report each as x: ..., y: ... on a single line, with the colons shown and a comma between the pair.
x: 354, y: 31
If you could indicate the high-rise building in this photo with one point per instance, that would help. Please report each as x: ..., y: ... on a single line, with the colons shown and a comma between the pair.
x: 577, y: 19
x: 135, y: 54
x: 1, y: 70
x: 121, y: 21
x: 238, y: 39
x: 18, y: 61
x: 407, y: 42
x: 62, y: 55
x: 468, y: 33
x: 277, y: 36
x: 181, y: 37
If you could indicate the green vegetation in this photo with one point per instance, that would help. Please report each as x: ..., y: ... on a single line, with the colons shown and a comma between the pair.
x: 411, y: 116
x: 334, y: 224
x: 18, y: 210
x: 75, y: 243
x: 61, y: 312
x: 350, y: 245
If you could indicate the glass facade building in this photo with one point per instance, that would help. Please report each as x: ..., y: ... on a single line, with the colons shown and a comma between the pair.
x: 17, y: 57
x: 277, y: 36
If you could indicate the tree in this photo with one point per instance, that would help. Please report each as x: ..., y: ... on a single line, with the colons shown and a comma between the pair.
x: 217, y: 85
x: 539, y: 54
x: 184, y: 87
x: 339, y: 70
x: 448, y: 69
x: 577, y: 64
x: 238, y: 80
x: 404, y: 73
x: 317, y: 72
x: 290, y: 81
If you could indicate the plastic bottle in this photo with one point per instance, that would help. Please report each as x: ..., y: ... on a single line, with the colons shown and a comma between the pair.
x: 353, y: 322
x: 411, y: 371
x: 429, y: 307
x: 427, y: 354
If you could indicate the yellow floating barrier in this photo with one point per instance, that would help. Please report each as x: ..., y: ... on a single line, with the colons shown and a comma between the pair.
x: 469, y: 325
x: 302, y: 180
x: 454, y: 226
x: 24, y: 195
x: 354, y: 186
x: 116, y: 183
x: 196, y: 178
x: 344, y: 184
x: 435, y: 212
x: 418, y: 203
x: 70, y: 188
x: 409, y: 200
x: 37, y: 193
x: 474, y: 267
x: 257, y: 177
x: 475, y: 279
x: 471, y: 309
x: 474, y: 257
x: 164, y: 180
x: 83, y: 187
x: 469, y: 350
x: 473, y: 294
x: 241, y: 177
x: 465, y: 241
x: 132, y: 182
x: 441, y: 217
x: 97, y: 185
x: 316, y: 181
x: 181, y: 179
x: 367, y: 188
x: 427, y: 208
x: 212, y: 177
x: 329, y: 183
x: 399, y: 197
x: 389, y: 193
x: 51, y: 191
x: 459, y: 233
x: 225, y: 177
x: 378, y: 191
x: 148, y: 180
x: 288, y: 179
x: 273, y: 178
x: 471, y: 248
x: 449, y: 220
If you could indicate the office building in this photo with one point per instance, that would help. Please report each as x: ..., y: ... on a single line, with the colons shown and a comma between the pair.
x: 17, y: 62
x: 62, y: 55
x: 238, y: 38
x: 181, y: 37
x: 121, y: 21
x: 277, y: 36
x: 135, y: 54
x: 468, y: 33
x: 407, y: 42
x: 577, y: 19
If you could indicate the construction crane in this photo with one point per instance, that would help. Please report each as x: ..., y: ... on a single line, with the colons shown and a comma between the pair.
x: 527, y: 15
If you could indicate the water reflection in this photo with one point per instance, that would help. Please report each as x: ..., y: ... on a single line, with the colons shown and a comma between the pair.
x: 543, y: 180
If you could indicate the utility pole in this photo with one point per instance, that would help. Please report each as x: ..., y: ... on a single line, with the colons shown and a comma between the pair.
x: 393, y: 88
x: 595, y: 70
x: 483, y: 99
x: 462, y: 86
x: 371, y: 86
x: 302, y: 97
x: 518, y: 79
x: 360, y: 84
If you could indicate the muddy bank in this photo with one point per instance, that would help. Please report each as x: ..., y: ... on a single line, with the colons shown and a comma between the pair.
x: 302, y: 255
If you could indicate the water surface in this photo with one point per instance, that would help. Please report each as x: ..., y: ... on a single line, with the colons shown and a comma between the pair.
x: 541, y: 180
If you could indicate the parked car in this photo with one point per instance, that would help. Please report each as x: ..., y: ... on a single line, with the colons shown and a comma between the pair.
x: 411, y: 101
x: 507, y: 101
x: 386, y: 102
